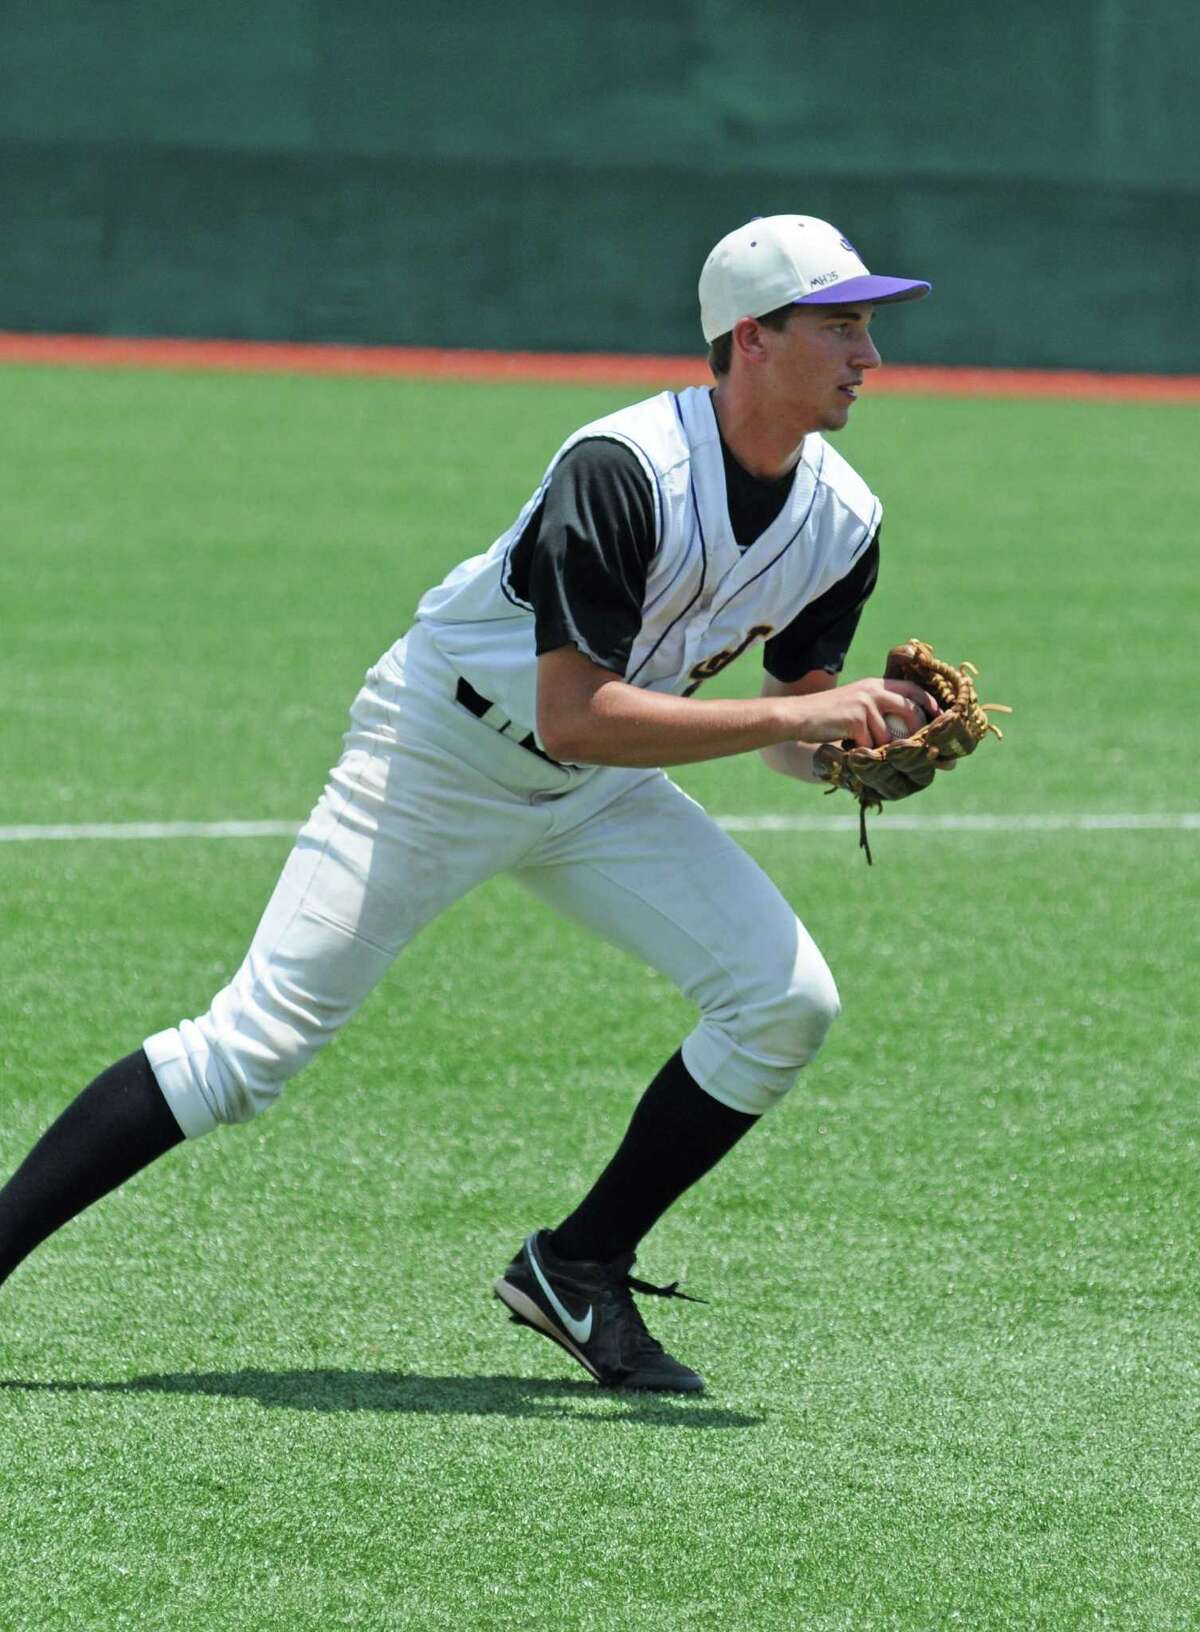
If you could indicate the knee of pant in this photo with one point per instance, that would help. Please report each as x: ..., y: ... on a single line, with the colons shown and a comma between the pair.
x: 787, y: 1027
x: 231, y: 1064
x: 239, y: 1078
x: 246, y: 1087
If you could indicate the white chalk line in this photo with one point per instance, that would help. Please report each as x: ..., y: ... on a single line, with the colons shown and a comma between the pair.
x: 888, y: 821
x: 30, y: 833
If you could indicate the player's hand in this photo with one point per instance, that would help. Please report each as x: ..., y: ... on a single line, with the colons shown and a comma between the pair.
x: 854, y: 713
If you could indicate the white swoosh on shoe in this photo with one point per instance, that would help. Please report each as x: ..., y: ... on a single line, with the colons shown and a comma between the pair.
x: 580, y: 1330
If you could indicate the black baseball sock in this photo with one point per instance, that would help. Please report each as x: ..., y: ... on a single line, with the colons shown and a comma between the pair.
x: 118, y: 1124
x: 677, y: 1133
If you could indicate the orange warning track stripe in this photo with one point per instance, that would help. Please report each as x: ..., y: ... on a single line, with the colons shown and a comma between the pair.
x: 579, y: 368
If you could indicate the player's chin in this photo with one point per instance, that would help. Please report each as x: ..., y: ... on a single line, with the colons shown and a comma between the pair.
x: 837, y: 413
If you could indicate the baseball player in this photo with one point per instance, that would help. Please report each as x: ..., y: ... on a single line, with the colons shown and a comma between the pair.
x: 522, y: 724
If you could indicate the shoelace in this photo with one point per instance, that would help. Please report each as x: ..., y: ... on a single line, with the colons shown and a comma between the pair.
x: 671, y: 1291
x: 624, y: 1287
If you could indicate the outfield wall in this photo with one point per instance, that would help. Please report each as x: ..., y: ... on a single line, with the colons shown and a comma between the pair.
x: 540, y: 177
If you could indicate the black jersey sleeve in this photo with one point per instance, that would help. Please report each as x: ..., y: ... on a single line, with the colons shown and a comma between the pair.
x: 584, y: 556
x: 819, y: 637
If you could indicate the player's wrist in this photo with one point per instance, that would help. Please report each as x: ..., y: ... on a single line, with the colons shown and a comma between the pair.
x: 792, y: 719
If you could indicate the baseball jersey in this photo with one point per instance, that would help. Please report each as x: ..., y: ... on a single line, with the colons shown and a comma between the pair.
x: 675, y: 615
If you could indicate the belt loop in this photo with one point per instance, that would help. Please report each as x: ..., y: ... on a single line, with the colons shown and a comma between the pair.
x: 465, y: 693
x: 470, y: 699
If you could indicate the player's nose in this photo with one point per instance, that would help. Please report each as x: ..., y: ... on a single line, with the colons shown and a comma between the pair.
x: 866, y: 354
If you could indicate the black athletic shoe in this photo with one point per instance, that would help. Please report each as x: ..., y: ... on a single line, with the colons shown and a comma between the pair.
x: 588, y: 1308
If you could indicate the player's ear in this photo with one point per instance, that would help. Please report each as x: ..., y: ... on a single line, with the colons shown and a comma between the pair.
x: 748, y: 341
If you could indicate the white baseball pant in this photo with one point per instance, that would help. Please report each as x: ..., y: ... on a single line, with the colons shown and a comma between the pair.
x: 428, y: 801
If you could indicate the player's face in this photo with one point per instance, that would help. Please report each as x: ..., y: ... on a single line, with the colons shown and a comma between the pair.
x: 815, y: 365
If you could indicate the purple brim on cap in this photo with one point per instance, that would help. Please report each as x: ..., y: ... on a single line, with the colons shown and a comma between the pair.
x: 877, y: 290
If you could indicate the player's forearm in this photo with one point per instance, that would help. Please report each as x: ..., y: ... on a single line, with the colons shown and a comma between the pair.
x: 586, y: 715
x: 621, y: 724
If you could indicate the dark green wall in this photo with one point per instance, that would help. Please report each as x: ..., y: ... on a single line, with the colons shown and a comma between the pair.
x: 552, y: 176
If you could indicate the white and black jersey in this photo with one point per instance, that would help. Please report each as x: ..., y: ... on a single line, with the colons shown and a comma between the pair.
x: 649, y: 548
x: 583, y: 558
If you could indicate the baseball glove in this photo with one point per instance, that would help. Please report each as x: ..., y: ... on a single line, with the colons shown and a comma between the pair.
x: 905, y: 766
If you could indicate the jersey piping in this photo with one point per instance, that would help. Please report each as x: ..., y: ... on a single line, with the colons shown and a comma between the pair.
x: 703, y: 560
x: 807, y: 514
x: 621, y: 440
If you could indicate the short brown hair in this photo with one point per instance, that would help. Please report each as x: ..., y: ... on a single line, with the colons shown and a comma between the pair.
x: 720, y: 350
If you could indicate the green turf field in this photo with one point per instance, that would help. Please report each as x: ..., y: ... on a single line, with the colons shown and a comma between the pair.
x: 951, y: 1336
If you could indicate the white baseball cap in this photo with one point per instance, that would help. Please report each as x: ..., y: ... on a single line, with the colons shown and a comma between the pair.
x: 777, y: 259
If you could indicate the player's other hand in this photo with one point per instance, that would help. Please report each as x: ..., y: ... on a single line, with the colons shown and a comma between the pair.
x: 854, y: 713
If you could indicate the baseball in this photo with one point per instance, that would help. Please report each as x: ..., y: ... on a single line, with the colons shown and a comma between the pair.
x: 897, y: 728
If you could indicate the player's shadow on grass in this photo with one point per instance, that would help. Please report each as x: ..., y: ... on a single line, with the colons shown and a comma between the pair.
x: 330, y: 1389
